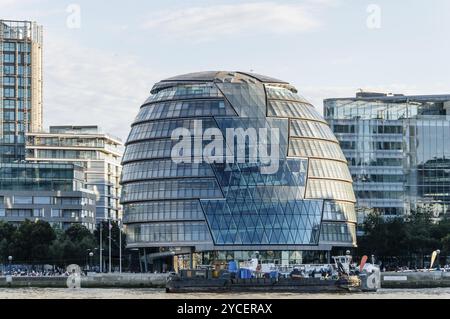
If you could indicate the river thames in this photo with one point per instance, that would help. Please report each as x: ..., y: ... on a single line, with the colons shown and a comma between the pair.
x: 52, y: 293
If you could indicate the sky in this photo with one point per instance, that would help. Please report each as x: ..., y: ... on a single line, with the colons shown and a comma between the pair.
x: 102, y: 57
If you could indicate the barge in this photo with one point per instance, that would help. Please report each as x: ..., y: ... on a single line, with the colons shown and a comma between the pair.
x: 342, y: 278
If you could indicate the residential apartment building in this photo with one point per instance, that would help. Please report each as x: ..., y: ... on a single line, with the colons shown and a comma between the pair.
x: 98, y: 153
x: 50, y: 192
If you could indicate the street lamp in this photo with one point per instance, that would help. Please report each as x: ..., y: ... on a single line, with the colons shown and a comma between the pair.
x: 91, y: 254
x: 10, y: 258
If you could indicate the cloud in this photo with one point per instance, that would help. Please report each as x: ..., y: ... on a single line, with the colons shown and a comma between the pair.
x: 93, y: 87
x: 83, y: 85
x: 33, y: 10
x: 8, y: 3
x: 19, y: 4
x: 209, y: 22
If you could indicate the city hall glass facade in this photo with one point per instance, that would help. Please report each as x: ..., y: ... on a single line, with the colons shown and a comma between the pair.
x: 398, y: 148
x: 233, y: 210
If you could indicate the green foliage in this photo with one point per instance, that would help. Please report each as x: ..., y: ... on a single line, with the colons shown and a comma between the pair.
x: 445, y: 242
x: 383, y: 238
x: 6, y: 235
x: 416, y: 235
x: 39, y: 243
x: 31, y: 242
x: 73, y: 246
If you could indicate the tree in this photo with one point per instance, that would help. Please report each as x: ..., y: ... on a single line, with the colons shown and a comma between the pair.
x: 440, y: 231
x: 6, y: 235
x: 78, y: 232
x: 419, y: 234
x: 383, y: 237
x: 445, y: 242
x: 32, y: 242
x: 406, y: 241
x: 72, y: 246
x: 39, y: 243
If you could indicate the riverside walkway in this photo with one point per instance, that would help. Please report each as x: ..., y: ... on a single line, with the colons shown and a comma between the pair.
x: 123, y: 280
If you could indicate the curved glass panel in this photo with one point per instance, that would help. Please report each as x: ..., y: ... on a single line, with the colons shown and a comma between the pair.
x: 330, y: 189
x: 166, y: 168
x: 171, y: 189
x: 338, y: 232
x: 168, y: 232
x: 293, y: 110
x: 248, y: 100
x: 163, y: 211
x: 160, y: 149
x: 190, y: 91
x: 148, y: 149
x: 339, y: 211
x: 164, y: 129
x: 246, y: 180
x: 301, y: 128
x: 329, y: 169
x: 280, y: 93
x: 315, y: 148
x: 256, y: 223
x: 176, y: 109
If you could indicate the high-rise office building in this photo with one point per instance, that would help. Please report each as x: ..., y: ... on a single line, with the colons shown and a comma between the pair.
x: 20, y: 86
x: 398, y: 148
x: 98, y: 153
x: 209, y: 212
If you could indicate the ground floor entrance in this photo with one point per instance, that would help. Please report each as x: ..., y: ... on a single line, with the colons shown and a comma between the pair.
x: 173, y: 260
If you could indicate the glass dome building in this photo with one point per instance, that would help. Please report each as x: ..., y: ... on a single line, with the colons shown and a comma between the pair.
x: 183, y: 208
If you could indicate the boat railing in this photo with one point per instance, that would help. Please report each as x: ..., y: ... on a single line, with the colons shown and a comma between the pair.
x: 280, y: 268
x: 304, y: 267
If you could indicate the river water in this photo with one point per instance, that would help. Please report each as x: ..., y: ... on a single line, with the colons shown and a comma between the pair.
x: 52, y: 293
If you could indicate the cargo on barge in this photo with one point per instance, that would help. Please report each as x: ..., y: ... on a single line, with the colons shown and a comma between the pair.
x: 344, y: 278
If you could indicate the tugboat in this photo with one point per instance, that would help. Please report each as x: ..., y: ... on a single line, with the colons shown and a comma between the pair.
x: 340, y: 277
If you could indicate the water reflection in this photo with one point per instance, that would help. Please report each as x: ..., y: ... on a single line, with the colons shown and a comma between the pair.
x: 50, y: 293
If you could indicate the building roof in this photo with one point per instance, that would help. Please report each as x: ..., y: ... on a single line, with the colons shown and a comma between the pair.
x: 209, y: 76
x: 218, y: 76
x: 394, y: 98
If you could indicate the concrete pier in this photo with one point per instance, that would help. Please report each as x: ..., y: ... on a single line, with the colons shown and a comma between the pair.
x: 411, y: 280
x: 91, y: 281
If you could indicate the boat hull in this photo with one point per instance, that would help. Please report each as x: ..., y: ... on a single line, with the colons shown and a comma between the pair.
x: 305, y: 285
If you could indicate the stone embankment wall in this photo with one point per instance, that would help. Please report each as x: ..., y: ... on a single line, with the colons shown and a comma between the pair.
x: 432, y: 279
x: 91, y: 281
